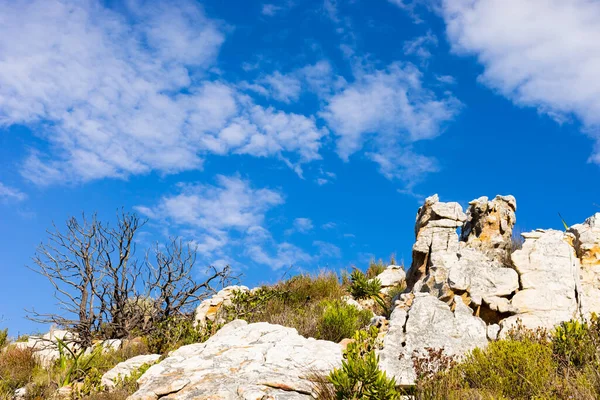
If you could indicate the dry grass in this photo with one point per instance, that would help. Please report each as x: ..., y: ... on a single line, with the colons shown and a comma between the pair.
x: 298, y: 302
x: 16, y: 368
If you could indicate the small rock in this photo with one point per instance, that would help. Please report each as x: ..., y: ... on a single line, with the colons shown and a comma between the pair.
x: 126, y: 368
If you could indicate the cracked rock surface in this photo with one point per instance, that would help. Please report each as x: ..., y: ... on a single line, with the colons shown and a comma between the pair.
x: 242, y: 361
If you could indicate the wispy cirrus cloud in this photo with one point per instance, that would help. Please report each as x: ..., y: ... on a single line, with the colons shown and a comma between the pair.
x: 386, y: 111
x: 226, y: 219
x: 11, y: 194
x: 117, y: 94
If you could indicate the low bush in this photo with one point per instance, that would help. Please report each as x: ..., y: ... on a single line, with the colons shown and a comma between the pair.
x: 175, y: 332
x: 360, y: 378
x: 16, y: 369
x: 3, y: 337
x: 340, y: 320
x: 298, y: 302
x: 528, y: 364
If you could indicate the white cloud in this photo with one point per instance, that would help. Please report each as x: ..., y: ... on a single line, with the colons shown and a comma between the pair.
x: 538, y: 53
x: 8, y: 193
x: 301, y: 225
x: 419, y: 46
x: 386, y: 111
x: 114, y: 98
x: 270, y: 9
x: 327, y: 249
x: 317, y: 78
x: 328, y: 225
x: 227, y: 218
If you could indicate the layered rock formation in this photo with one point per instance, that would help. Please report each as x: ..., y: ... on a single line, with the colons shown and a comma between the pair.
x: 466, y: 289
x: 242, y: 361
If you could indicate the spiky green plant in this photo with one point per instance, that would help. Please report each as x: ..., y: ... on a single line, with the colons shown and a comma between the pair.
x: 360, y: 378
x: 362, y: 287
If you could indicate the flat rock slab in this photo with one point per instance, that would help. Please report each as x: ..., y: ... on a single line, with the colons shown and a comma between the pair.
x: 242, y: 361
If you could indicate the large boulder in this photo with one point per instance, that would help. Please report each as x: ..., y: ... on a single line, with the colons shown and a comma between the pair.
x: 209, y: 309
x: 242, y: 361
x: 423, y: 321
x: 393, y: 276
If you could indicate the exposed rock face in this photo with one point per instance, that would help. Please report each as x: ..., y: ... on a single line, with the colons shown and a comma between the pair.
x: 208, y: 310
x: 126, y: 368
x: 242, y: 361
x: 554, y: 277
x: 587, y: 248
x: 436, y: 241
x: 489, y: 225
x: 481, y: 277
x: 549, y: 271
x: 424, y: 321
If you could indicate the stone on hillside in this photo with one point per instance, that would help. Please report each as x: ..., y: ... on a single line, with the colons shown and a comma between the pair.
x: 426, y: 322
x: 126, y: 368
x: 481, y: 277
x: 587, y: 247
x: 45, y: 348
x: 242, y: 361
x: 209, y: 309
x: 392, y: 276
x: 549, y: 274
x: 489, y: 226
x: 435, y: 248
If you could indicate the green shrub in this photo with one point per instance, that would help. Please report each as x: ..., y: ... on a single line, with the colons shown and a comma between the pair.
x: 573, y: 343
x: 175, y: 332
x: 3, y: 337
x: 511, y: 368
x: 296, y: 303
x: 340, y: 320
x: 360, y: 376
x: 375, y: 268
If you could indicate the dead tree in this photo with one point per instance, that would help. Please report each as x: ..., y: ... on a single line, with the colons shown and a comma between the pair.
x: 104, y: 290
x: 73, y: 262
x: 172, y: 282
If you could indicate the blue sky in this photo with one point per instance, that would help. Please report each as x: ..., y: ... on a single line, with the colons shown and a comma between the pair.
x: 296, y: 132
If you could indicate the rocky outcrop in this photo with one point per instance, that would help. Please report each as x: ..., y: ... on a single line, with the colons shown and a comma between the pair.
x: 436, y: 242
x: 242, y: 361
x: 124, y: 369
x: 209, y: 309
x: 489, y: 226
x: 422, y: 321
x: 468, y: 289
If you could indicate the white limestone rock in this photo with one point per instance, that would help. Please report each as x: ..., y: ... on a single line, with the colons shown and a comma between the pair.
x: 428, y: 322
x: 476, y: 273
x: 209, y: 309
x: 549, y: 274
x: 242, y: 361
x: 393, y: 275
x: 126, y: 368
